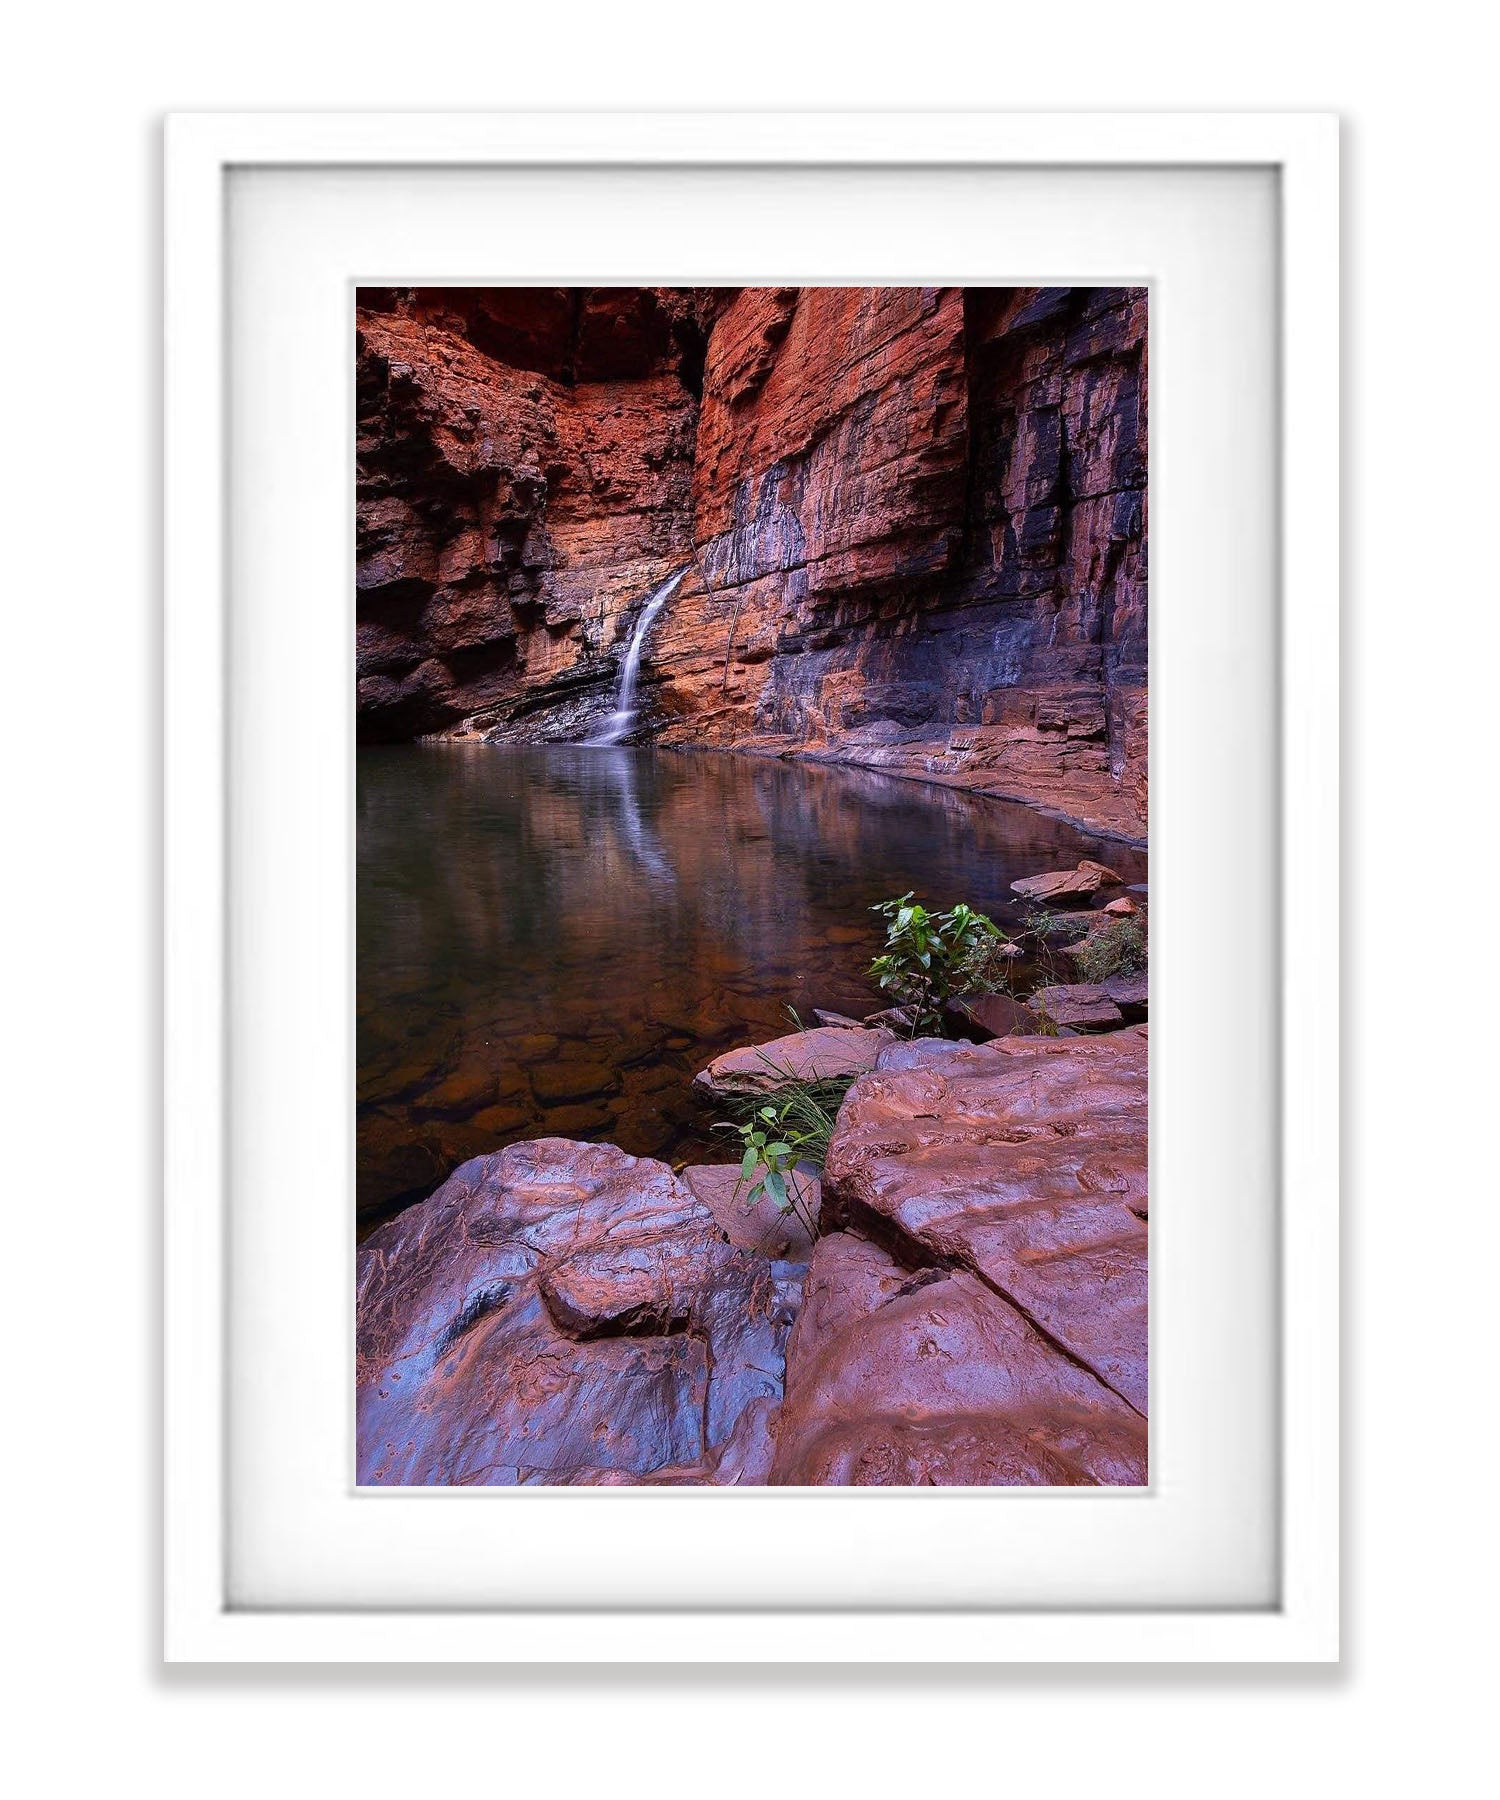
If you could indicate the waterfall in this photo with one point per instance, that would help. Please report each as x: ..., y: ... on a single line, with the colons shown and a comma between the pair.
x: 622, y: 718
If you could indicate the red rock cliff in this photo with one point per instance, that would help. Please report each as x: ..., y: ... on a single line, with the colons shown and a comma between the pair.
x: 916, y: 523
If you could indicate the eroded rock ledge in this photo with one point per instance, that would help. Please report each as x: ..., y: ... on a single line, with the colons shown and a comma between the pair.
x: 913, y: 520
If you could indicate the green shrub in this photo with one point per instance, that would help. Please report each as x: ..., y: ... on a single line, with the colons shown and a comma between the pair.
x: 925, y: 954
x: 1118, y: 948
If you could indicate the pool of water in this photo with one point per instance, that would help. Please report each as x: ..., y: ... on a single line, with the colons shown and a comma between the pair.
x: 552, y: 941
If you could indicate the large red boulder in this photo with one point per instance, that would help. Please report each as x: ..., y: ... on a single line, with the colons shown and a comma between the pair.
x: 563, y: 1312
x: 1023, y: 1161
x: 923, y: 1378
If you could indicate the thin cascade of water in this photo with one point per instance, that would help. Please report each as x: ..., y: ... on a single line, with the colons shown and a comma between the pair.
x: 622, y: 719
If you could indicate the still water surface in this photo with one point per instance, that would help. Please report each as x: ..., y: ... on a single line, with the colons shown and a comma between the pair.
x: 553, y: 940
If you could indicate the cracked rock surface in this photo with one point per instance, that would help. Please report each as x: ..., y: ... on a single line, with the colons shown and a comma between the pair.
x: 1023, y: 1163
x: 902, y: 1378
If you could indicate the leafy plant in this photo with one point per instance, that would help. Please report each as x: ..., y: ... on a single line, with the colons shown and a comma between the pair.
x: 1118, y: 948
x: 924, y: 955
x: 774, y: 1144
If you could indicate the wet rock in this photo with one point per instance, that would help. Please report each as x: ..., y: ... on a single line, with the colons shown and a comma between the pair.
x: 1067, y: 884
x: 839, y: 1020
x: 560, y: 1312
x: 904, y: 1378
x: 764, y: 1226
x: 1080, y: 1005
x: 742, y: 1460
x: 1024, y: 1161
x: 822, y: 1053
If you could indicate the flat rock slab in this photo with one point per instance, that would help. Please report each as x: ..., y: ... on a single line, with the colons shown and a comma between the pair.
x: 901, y: 1378
x: 562, y: 1312
x: 1130, y: 991
x: 763, y: 1227
x: 1064, y: 884
x: 1023, y: 1160
x: 1076, y: 1004
x: 827, y: 1051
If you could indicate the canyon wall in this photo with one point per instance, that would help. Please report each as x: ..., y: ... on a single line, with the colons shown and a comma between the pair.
x: 913, y: 522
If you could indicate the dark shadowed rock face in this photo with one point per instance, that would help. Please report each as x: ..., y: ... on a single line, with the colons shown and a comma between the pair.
x: 1022, y: 1161
x: 565, y: 1313
x: 915, y: 518
x: 525, y: 463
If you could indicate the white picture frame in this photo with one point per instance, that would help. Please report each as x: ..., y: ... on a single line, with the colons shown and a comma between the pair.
x: 202, y: 1623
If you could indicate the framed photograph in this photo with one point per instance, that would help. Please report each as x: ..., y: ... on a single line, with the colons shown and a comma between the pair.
x: 751, y: 863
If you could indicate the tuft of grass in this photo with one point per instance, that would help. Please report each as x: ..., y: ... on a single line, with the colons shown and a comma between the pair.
x: 1118, y: 948
x: 1046, y: 1025
x: 778, y: 1131
x: 805, y: 1110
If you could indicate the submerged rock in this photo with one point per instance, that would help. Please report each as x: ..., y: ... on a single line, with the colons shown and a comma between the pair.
x: 563, y: 1312
x: 821, y: 1054
x: 1024, y: 1162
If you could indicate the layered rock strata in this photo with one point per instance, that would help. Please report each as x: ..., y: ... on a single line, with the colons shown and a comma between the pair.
x: 525, y: 467
x: 913, y: 522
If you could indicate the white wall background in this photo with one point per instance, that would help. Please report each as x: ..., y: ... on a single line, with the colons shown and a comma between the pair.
x: 79, y: 704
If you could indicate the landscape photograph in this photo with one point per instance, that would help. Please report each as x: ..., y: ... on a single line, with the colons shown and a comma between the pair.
x: 751, y: 886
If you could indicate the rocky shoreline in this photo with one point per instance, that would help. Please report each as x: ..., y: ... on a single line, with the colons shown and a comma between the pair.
x: 937, y: 762
x: 959, y: 1300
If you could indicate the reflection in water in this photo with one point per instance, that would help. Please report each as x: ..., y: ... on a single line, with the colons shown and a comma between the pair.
x: 553, y: 940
